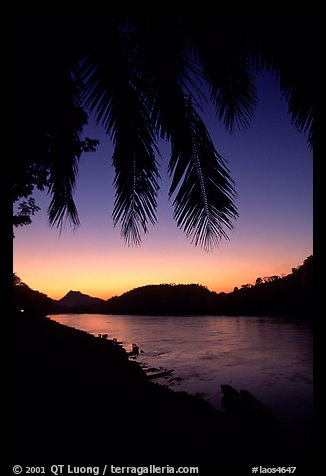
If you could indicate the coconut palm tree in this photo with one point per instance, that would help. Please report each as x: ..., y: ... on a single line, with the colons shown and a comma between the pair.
x: 143, y: 78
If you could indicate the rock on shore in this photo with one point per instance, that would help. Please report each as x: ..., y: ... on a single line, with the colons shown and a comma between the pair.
x: 77, y: 398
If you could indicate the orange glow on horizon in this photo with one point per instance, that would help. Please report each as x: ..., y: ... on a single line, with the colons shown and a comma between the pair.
x: 104, y: 277
x: 272, y: 169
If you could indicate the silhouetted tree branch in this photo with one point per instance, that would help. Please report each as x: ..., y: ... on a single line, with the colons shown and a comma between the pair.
x: 142, y: 77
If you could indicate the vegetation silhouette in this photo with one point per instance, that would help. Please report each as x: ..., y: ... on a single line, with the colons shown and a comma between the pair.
x: 291, y: 295
x: 141, y: 75
x: 79, y: 399
x: 273, y: 295
x: 29, y: 302
x: 163, y: 299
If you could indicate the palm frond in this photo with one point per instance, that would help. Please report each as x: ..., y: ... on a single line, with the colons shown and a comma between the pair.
x: 63, y: 174
x: 227, y: 67
x: 119, y: 105
x: 136, y: 187
x: 133, y: 71
x: 288, y: 55
x: 65, y: 147
x: 204, y: 205
x: 300, y: 108
x: 234, y: 93
x: 204, y: 201
x: 136, y: 169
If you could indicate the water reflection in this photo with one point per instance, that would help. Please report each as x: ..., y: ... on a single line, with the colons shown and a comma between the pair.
x: 270, y: 357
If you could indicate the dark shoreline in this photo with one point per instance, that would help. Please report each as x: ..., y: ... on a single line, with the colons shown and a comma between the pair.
x: 78, y: 398
x: 291, y: 296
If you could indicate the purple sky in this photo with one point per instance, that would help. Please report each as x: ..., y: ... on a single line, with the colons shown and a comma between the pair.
x: 271, y: 165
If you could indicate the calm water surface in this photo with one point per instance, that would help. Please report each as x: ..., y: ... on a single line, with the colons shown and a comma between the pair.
x: 270, y: 357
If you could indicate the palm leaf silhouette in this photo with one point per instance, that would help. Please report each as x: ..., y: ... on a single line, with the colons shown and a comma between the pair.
x: 227, y: 66
x: 143, y: 76
x: 204, y: 191
x: 119, y: 106
x: 282, y: 44
x: 65, y: 148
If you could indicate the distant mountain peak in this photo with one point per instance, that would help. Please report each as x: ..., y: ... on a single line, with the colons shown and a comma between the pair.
x: 76, y: 298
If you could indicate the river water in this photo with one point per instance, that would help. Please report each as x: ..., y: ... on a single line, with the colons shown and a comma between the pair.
x: 270, y: 357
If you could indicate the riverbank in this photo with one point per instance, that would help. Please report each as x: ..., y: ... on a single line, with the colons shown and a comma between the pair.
x: 78, y: 398
x: 290, y: 295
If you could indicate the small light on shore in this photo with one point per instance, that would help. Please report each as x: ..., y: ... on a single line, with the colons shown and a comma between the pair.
x: 22, y: 310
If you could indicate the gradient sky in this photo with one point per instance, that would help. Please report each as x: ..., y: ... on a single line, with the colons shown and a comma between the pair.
x: 271, y: 165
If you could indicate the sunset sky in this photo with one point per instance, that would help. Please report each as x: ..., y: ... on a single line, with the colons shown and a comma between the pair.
x: 271, y: 165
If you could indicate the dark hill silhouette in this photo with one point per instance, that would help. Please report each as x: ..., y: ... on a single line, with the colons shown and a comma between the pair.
x: 163, y: 299
x: 290, y: 295
x: 30, y: 302
x: 273, y: 295
x: 76, y: 298
x: 77, y: 397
